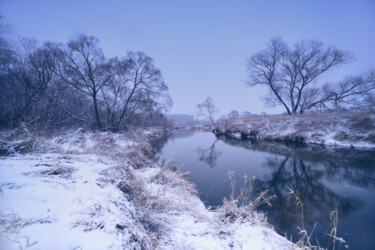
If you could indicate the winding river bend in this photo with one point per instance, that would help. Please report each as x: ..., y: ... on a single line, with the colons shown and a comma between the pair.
x: 324, y: 178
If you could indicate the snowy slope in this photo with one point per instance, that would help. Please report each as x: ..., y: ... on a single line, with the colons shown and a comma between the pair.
x: 101, y: 191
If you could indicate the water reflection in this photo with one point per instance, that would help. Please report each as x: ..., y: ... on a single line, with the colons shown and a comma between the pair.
x: 308, y: 182
x: 158, y: 144
x: 209, y: 155
x: 324, y: 178
x: 314, y: 173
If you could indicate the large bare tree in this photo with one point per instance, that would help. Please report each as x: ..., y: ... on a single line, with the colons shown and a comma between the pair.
x: 208, y: 110
x: 82, y: 65
x: 291, y: 74
x: 137, y: 86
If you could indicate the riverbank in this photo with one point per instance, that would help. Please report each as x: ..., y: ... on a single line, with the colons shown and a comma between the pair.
x: 346, y: 129
x: 83, y: 190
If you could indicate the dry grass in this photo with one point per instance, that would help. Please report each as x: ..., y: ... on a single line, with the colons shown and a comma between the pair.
x: 168, y: 176
x: 334, y: 217
x: 171, y: 179
x: 61, y: 171
x: 305, y: 239
x: 140, y: 155
x: 246, y: 196
x: 93, y: 211
x: 242, y: 206
x: 13, y: 223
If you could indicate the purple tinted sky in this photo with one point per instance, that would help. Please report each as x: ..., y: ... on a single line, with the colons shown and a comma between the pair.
x: 201, y: 46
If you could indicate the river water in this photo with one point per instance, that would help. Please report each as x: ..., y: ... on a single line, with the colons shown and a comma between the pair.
x: 324, y: 178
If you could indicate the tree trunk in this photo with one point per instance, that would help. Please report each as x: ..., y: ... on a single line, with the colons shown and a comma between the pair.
x: 97, y: 116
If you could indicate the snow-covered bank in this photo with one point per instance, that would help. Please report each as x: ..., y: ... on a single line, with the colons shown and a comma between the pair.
x: 348, y: 129
x: 103, y: 191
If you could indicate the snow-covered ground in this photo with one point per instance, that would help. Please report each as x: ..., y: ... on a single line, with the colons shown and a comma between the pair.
x: 103, y: 191
x: 348, y: 129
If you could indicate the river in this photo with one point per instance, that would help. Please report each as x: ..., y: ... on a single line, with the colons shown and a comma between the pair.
x: 324, y: 178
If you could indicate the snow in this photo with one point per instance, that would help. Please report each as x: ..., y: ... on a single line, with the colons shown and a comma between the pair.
x: 345, y: 129
x: 66, y: 195
x: 235, y: 135
x: 49, y: 210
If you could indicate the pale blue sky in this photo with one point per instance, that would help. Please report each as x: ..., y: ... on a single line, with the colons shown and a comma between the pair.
x: 202, y: 46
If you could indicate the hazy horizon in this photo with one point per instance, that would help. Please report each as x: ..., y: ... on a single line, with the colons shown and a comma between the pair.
x: 202, y: 47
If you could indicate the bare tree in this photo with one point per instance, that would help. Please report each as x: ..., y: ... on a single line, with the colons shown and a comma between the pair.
x: 6, y: 57
x: 137, y: 86
x: 207, y: 110
x: 29, y: 74
x: 83, y: 66
x: 290, y: 74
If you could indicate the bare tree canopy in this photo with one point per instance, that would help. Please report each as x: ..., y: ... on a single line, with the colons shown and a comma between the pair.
x: 207, y: 110
x: 82, y: 65
x: 6, y: 51
x: 291, y: 76
x: 137, y: 86
x: 27, y: 76
x: 352, y: 91
x: 74, y: 83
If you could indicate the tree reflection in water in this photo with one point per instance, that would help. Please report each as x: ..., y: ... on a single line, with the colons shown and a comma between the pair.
x: 307, y: 181
x: 324, y: 178
x: 209, y: 155
x: 310, y: 171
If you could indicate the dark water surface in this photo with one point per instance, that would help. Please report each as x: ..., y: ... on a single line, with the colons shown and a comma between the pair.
x: 323, y: 178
